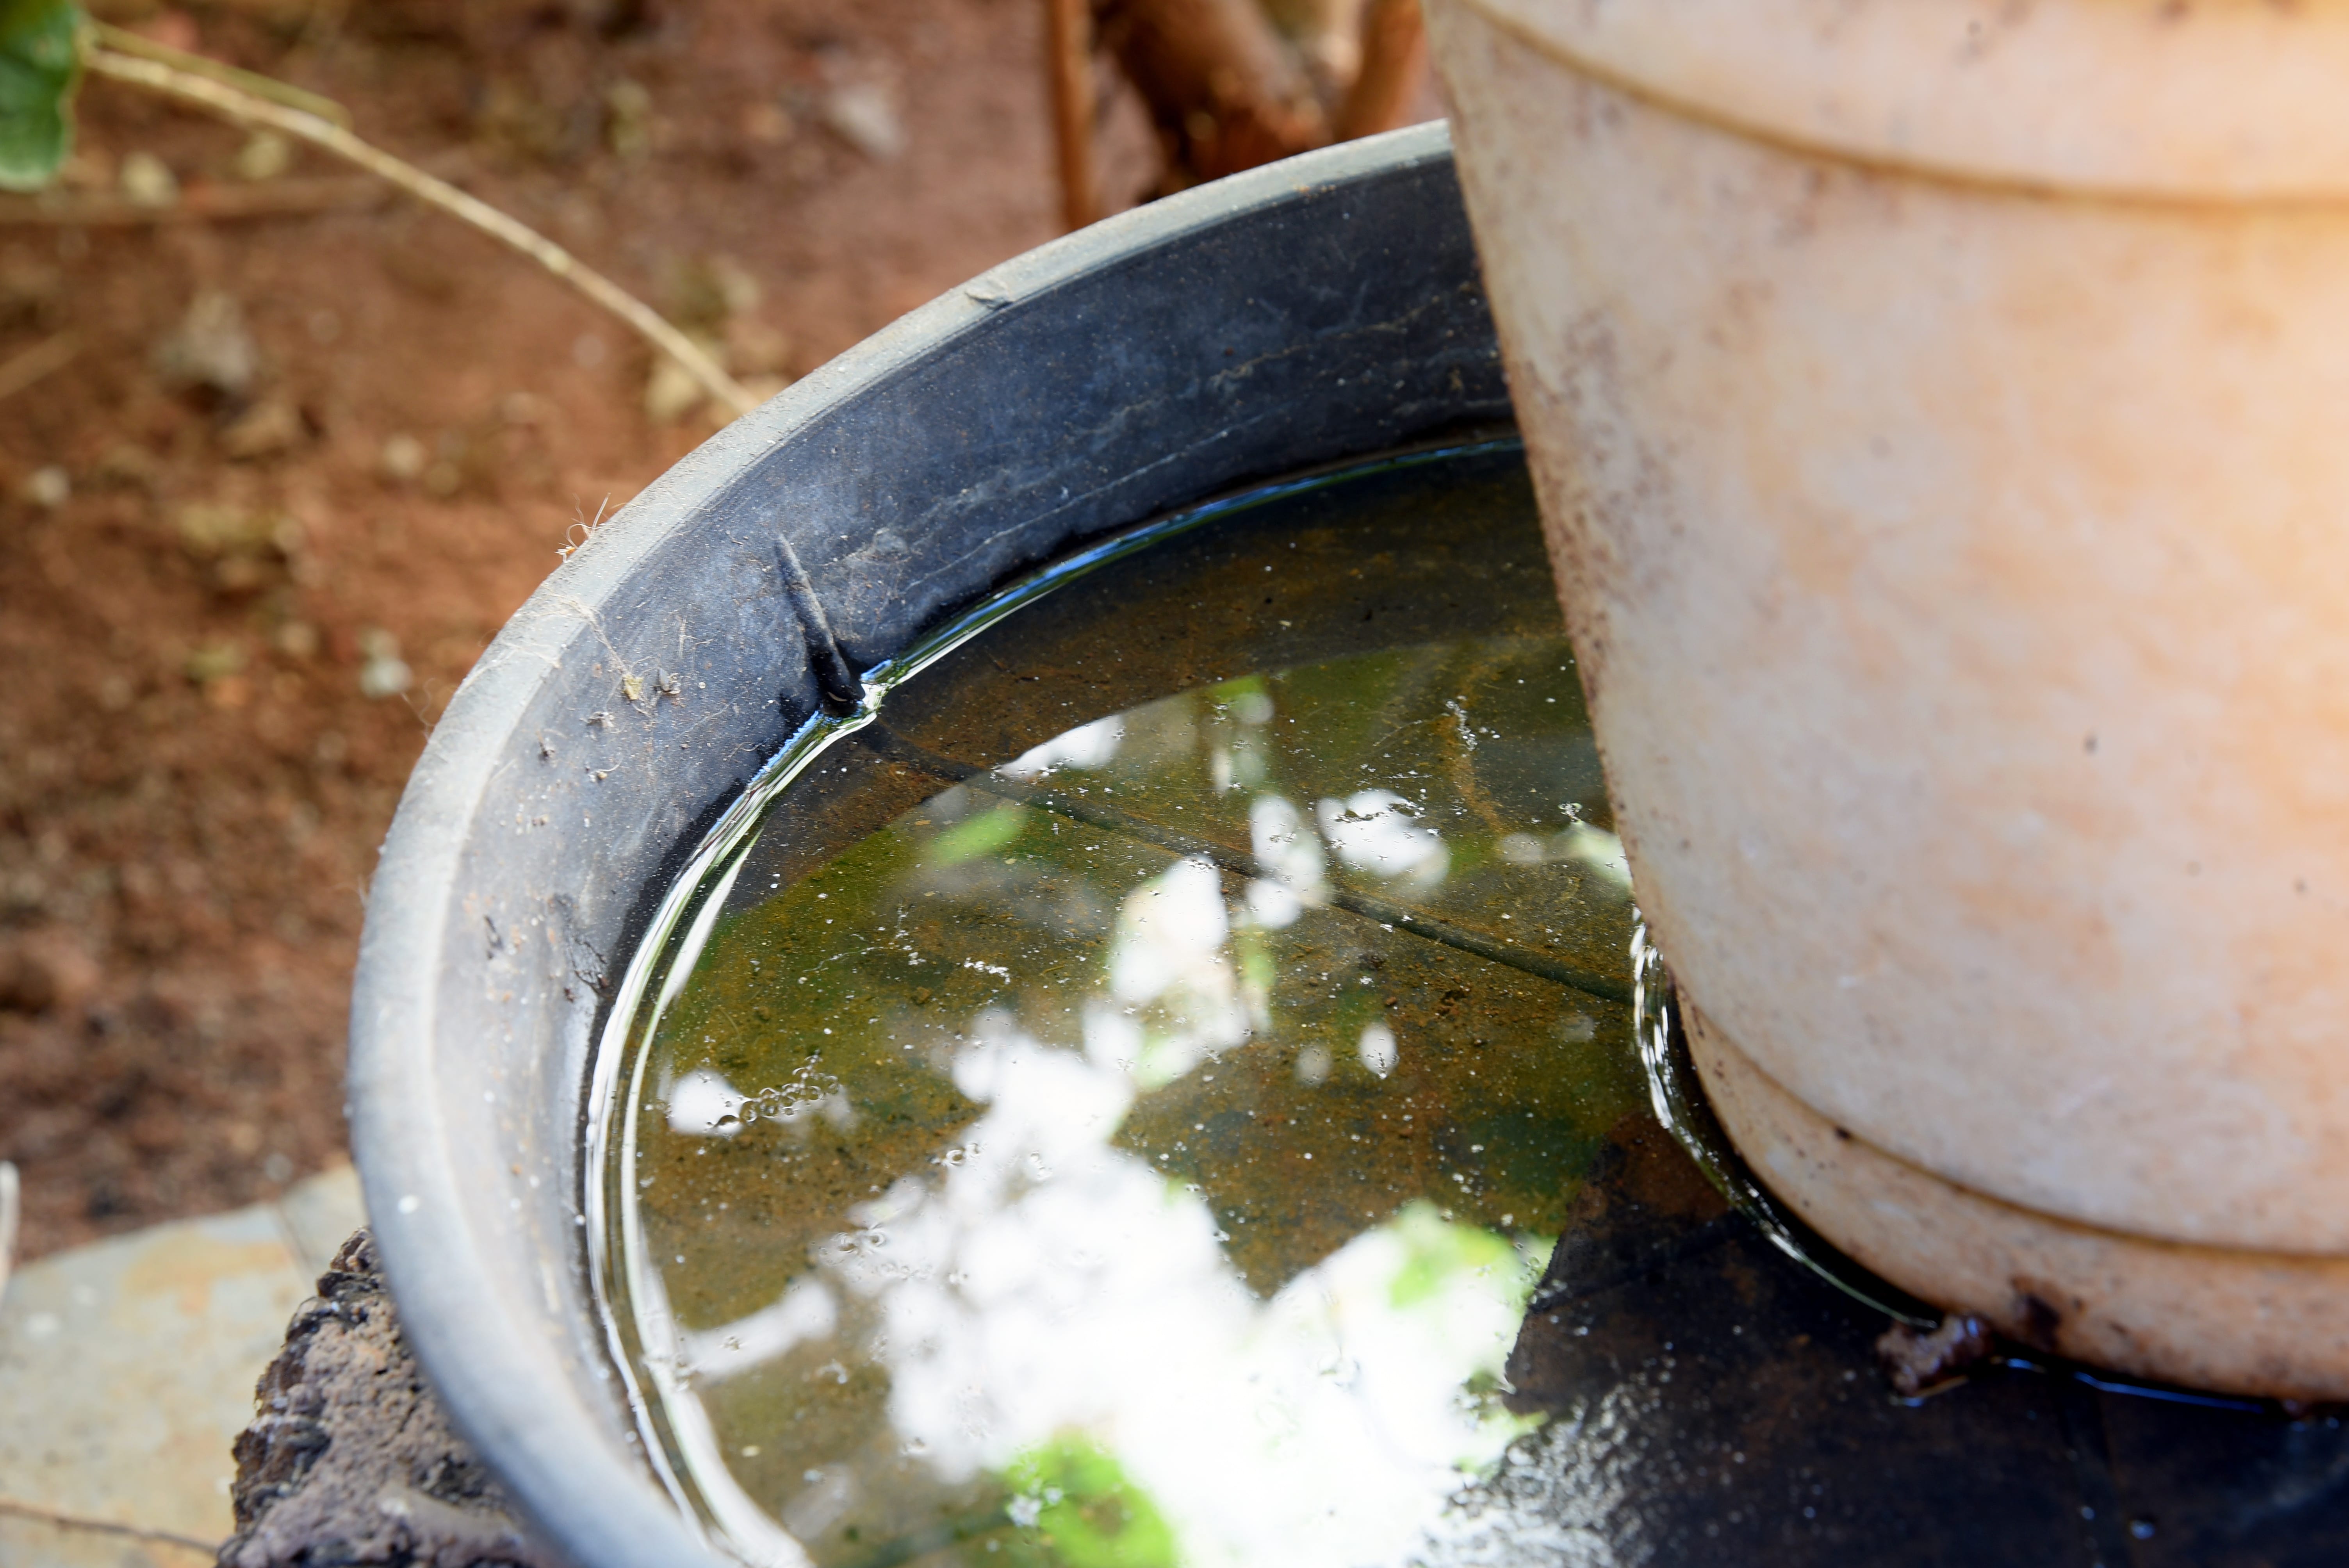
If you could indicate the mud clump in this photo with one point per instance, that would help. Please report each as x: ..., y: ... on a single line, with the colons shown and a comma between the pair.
x: 351, y: 1460
x: 1919, y: 1361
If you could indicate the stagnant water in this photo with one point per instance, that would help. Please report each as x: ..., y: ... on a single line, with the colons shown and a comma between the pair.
x: 1158, y: 1087
x: 1127, y: 1092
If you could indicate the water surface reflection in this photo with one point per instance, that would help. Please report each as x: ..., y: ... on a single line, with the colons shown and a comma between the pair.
x: 1063, y: 1295
x: 1142, y: 1152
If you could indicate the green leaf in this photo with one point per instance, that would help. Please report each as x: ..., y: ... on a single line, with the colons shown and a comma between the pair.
x: 1077, y: 1509
x: 39, y: 65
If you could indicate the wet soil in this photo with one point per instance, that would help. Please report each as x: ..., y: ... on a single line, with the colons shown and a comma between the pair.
x: 311, y: 461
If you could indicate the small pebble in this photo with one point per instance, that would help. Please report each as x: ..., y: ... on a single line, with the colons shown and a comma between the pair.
x: 49, y: 488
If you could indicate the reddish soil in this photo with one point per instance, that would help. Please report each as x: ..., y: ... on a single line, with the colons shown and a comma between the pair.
x: 192, y: 780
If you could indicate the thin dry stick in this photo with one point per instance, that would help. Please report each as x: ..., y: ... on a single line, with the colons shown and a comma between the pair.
x: 1395, y: 60
x: 244, y: 109
x: 130, y: 43
x: 7, y: 1221
x: 70, y: 1521
x: 1068, y: 64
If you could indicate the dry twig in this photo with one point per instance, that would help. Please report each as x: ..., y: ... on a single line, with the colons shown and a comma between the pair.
x: 245, y: 108
x: 123, y: 41
x: 7, y: 1222
x: 73, y: 1523
x: 1394, y: 58
x: 1221, y: 86
x: 1069, y: 64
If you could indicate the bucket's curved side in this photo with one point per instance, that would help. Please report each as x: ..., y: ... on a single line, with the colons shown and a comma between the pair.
x: 1954, y: 571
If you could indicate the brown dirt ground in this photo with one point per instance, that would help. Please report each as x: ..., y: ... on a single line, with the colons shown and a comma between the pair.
x: 193, y: 782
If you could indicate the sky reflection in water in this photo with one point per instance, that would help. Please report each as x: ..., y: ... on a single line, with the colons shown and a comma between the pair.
x: 1013, y: 1185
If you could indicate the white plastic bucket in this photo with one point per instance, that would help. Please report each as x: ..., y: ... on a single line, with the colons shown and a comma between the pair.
x: 1940, y: 412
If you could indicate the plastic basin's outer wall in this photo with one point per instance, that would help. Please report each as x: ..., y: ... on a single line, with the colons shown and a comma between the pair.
x: 1296, y: 314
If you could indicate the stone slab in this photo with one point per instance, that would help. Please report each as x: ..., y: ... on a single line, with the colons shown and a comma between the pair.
x: 30, y: 1540
x: 127, y: 1370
